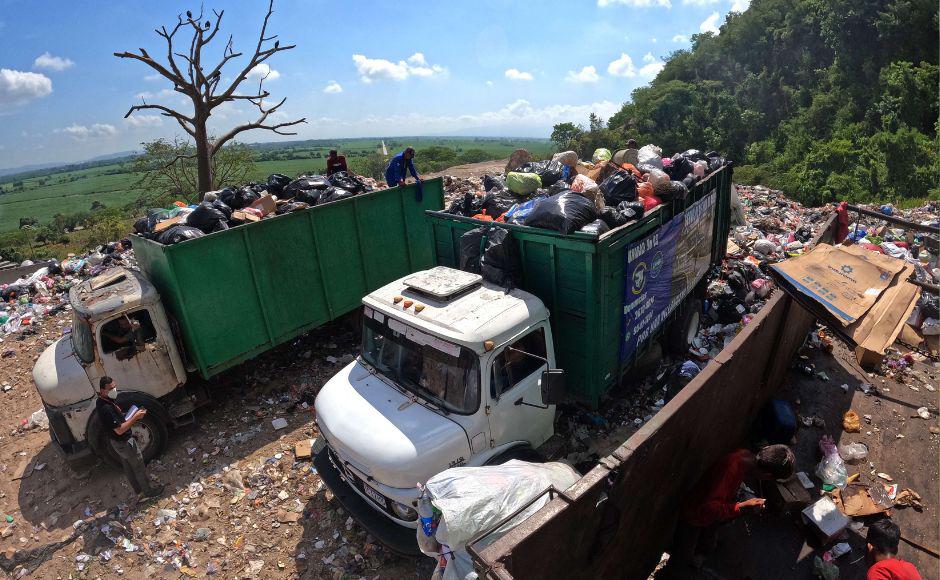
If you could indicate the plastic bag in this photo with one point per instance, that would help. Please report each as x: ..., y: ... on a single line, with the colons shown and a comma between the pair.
x: 491, y: 252
x: 207, y: 218
x: 631, y: 210
x: 548, y: 171
x: 565, y: 212
x: 601, y: 155
x: 831, y: 470
x: 596, y: 228
x: 349, y: 182
x: 650, y: 155
x: 699, y: 168
x: 238, y: 198
x: 853, y: 452
x: 649, y: 202
x: 276, y: 183
x: 518, y: 213
x: 679, y: 168
x: 569, y: 158
x: 491, y: 182
x: 332, y: 194
x: 316, y: 182
x: 657, y: 178
x: 177, y: 234
x: 523, y: 183
x: 619, y: 187
x: 498, y: 202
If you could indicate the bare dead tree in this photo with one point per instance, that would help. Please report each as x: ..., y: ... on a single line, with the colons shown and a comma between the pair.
x: 203, y: 89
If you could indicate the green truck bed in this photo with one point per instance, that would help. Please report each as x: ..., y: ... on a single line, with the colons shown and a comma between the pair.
x: 582, y: 281
x: 239, y: 292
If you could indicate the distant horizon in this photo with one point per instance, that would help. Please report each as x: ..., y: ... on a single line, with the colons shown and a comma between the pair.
x: 13, y: 170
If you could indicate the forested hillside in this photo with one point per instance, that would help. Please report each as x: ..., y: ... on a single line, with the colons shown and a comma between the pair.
x: 825, y: 99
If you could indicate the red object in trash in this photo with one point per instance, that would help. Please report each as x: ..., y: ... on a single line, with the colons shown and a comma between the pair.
x: 873, y: 248
x: 649, y: 201
x: 842, y: 230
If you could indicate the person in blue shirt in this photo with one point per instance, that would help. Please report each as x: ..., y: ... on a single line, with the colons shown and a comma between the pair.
x: 395, y: 173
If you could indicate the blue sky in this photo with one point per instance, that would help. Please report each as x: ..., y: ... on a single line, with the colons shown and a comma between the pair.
x: 488, y: 67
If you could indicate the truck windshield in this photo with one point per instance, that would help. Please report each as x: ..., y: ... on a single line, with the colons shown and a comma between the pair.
x: 445, y: 373
x: 82, y: 341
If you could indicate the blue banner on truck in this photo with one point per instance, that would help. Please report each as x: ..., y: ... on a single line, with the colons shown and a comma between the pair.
x: 662, y: 269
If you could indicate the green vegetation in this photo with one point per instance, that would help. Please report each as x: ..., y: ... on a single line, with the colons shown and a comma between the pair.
x: 824, y: 99
x: 48, y: 213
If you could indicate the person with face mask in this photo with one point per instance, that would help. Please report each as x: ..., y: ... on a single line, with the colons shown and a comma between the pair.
x: 122, y: 439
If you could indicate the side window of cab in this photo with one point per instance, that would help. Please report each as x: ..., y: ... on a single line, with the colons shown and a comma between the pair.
x: 511, y: 367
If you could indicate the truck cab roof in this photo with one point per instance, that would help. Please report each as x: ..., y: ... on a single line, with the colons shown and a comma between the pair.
x: 114, y: 290
x: 458, y: 306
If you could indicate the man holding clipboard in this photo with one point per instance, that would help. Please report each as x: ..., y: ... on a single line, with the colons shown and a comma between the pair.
x: 118, y: 423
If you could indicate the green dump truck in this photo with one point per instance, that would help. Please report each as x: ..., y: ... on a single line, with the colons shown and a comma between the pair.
x: 205, y: 305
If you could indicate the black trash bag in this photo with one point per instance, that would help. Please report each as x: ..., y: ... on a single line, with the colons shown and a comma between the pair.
x: 207, y: 218
x: 498, y: 202
x: 332, y: 194
x: 178, y: 234
x: 689, y: 181
x: 491, y: 182
x: 693, y: 155
x: 349, y: 182
x: 155, y: 216
x: 672, y: 190
x: 309, y: 196
x: 304, y: 183
x: 715, y: 161
x: 276, y: 183
x: 548, y: 171
x: 564, y: 212
x: 727, y: 309
x: 596, y: 228
x: 239, y: 198
x: 630, y: 210
x: 13, y: 291
x: 292, y: 206
x: 681, y: 167
x: 491, y: 252
x: 558, y: 187
x: 221, y: 206
x: 619, y: 187
x: 257, y: 187
x: 612, y: 217
x: 141, y: 226
x: 929, y: 304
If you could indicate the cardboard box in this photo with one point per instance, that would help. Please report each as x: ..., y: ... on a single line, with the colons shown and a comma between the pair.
x: 241, y: 216
x: 265, y: 204
x: 825, y: 519
x: 167, y: 224
x: 789, y: 496
x: 303, y: 449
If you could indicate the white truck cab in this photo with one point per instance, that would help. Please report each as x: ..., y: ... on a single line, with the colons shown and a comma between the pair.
x: 119, y: 329
x: 452, y: 371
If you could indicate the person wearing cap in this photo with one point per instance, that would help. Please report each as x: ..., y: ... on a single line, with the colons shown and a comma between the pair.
x: 121, y: 439
x: 399, y: 165
x: 715, y: 499
x: 335, y: 163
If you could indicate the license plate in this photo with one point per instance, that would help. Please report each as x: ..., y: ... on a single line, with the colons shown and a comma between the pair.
x: 374, y: 495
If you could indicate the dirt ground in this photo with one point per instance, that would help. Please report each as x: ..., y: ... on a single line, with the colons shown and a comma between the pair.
x: 900, y: 443
x: 472, y: 169
x: 283, y: 524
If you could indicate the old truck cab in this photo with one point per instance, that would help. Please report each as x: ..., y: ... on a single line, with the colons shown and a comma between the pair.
x: 119, y: 329
x: 452, y: 371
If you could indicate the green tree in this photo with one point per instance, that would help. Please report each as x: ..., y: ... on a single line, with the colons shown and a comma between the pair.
x: 474, y: 156
x: 564, y: 133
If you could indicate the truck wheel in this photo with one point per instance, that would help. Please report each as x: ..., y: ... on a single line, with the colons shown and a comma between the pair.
x: 522, y: 453
x: 151, y: 431
x: 683, y: 329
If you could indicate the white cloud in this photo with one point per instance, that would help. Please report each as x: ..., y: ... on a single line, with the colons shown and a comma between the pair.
x: 587, y: 74
x: 710, y: 24
x: 161, y: 94
x: 648, y: 57
x: 83, y: 133
x: 635, y: 3
x: 153, y: 77
x: 333, y: 88
x: 740, y: 5
x: 372, y: 69
x: 263, y: 71
x: 652, y: 69
x: 518, y: 75
x: 19, y: 87
x: 622, y: 67
x: 653, y: 40
x: 56, y: 63
x: 489, y: 83
x: 144, y: 121
x: 680, y: 38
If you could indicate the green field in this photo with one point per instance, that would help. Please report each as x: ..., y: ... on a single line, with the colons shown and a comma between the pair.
x: 41, y: 195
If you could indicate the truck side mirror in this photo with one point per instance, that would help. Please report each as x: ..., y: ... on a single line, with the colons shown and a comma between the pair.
x: 553, y: 386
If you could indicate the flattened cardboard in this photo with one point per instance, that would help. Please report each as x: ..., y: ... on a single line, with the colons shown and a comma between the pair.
x: 845, y: 282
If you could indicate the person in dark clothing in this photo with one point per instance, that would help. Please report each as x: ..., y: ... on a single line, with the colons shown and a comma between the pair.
x: 715, y: 499
x: 884, y: 536
x: 122, y: 439
x: 398, y: 167
x: 335, y: 163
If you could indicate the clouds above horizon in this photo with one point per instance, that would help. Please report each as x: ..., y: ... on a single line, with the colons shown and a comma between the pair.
x: 83, y: 133
x: 20, y: 87
x: 54, y: 63
x: 514, y: 74
x: 376, y: 69
x: 587, y: 74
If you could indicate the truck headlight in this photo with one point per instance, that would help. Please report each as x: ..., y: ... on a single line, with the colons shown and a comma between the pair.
x: 404, y: 512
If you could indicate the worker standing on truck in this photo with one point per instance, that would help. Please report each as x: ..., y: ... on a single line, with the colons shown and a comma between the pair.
x: 335, y: 163
x: 122, y: 439
x: 395, y: 172
x: 883, y: 539
x: 715, y: 499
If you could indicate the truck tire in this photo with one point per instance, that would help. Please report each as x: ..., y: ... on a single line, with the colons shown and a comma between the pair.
x: 151, y: 432
x: 679, y: 334
x: 520, y: 452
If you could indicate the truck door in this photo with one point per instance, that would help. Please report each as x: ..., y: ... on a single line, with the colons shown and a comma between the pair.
x: 133, y: 352
x: 516, y: 377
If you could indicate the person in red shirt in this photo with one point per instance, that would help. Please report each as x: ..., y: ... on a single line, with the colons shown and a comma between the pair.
x: 714, y: 499
x: 335, y: 163
x: 883, y: 539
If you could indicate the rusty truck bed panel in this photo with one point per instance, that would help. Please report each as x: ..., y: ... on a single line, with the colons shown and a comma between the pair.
x: 619, y: 530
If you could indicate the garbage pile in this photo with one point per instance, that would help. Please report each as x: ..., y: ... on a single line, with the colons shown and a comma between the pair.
x: 233, y: 206
x: 568, y: 195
